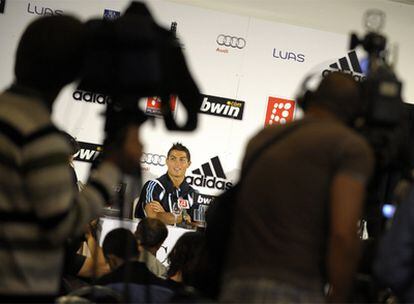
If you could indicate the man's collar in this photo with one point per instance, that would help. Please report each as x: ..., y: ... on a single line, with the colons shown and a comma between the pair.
x: 184, y: 186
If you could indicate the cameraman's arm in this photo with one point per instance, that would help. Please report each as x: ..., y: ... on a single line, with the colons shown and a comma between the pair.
x: 58, y: 205
x: 347, y: 195
x: 96, y: 259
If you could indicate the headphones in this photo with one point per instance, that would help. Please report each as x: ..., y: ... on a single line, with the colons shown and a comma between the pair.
x: 306, y: 95
x: 346, y: 106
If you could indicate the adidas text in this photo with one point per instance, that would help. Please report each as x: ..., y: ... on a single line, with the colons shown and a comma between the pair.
x: 211, y: 183
x: 90, y: 97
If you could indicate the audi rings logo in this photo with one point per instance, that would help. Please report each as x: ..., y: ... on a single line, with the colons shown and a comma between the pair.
x: 231, y: 41
x: 153, y: 159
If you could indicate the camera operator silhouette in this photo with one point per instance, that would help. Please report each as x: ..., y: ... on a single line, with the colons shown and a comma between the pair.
x: 39, y: 207
x: 298, y: 206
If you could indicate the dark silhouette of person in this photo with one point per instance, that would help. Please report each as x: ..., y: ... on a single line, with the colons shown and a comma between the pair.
x: 295, y: 220
x: 121, y: 251
x: 40, y: 208
x: 150, y: 235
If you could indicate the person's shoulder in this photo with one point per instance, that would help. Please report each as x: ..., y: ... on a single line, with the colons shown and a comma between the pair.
x: 107, y: 278
x: 141, y: 270
x: 160, y: 181
x: 339, y: 132
x: 25, y: 113
x: 163, y: 179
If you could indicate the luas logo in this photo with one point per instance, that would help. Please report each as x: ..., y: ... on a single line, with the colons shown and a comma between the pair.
x: 288, y: 55
x: 88, y: 152
x: 210, y: 175
x: 42, y: 11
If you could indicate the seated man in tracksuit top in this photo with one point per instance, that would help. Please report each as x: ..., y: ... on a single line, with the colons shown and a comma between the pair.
x: 158, y: 196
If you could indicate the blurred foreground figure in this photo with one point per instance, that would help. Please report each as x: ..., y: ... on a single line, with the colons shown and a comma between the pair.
x: 295, y: 226
x: 393, y: 266
x: 39, y: 206
x: 150, y: 235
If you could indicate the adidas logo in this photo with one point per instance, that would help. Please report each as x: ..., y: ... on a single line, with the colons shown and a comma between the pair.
x: 88, y: 152
x: 91, y: 97
x: 354, y: 69
x: 209, y: 179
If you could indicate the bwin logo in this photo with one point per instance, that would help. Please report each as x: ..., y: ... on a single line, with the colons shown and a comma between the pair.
x: 207, y: 179
x: 224, y: 107
x: 285, y: 55
x: 88, y: 152
x: 91, y: 97
x: 354, y: 70
x: 42, y: 11
x: 203, y: 199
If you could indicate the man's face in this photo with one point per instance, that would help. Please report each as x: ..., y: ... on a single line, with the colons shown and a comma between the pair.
x: 177, y: 163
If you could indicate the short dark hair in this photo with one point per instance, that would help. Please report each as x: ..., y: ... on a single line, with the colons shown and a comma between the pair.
x: 151, y: 232
x: 340, y: 94
x: 50, y: 52
x: 180, y: 147
x: 121, y: 243
x: 184, y: 255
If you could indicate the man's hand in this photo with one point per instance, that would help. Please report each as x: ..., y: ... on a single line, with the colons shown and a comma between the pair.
x: 187, y: 218
x: 154, y: 209
x: 156, y: 206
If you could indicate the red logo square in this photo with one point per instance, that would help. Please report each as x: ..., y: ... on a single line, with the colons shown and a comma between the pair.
x: 279, y: 111
x: 154, y: 105
x: 183, y: 203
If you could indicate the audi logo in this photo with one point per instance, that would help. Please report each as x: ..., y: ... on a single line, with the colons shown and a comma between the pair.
x: 234, y: 42
x: 153, y: 159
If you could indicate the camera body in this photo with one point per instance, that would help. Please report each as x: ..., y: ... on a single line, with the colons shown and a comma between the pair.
x: 133, y: 57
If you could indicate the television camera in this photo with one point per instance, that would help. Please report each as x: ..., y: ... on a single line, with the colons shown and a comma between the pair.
x: 133, y: 57
x: 383, y: 120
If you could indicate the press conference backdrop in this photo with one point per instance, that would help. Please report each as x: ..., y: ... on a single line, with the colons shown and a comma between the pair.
x: 248, y: 70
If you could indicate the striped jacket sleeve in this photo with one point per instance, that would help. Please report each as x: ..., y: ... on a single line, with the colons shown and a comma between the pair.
x: 38, y: 198
x: 151, y: 191
x: 58, y: 206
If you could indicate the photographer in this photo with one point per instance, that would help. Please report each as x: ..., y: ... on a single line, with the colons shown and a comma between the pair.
x: 40, y: 208
x: 299, y: 231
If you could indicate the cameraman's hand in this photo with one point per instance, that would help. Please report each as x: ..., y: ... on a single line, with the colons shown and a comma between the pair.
x: 127, y: 153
